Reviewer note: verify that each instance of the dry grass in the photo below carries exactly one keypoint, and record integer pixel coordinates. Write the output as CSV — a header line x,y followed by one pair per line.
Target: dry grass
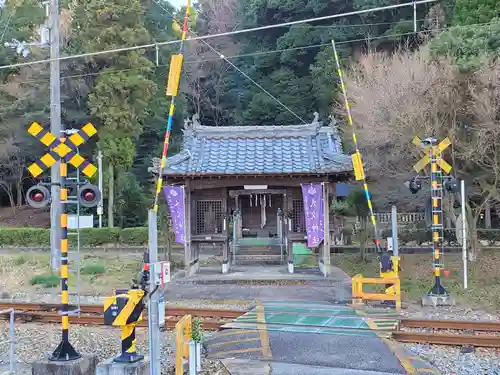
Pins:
x,y
20,273
417,278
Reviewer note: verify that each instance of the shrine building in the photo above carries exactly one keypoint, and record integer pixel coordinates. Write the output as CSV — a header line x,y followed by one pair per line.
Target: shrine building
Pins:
x,y
243,187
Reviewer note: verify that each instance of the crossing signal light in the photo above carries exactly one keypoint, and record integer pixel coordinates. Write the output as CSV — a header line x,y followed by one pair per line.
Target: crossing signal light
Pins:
x,y
451,185
38,196
89,195
414,185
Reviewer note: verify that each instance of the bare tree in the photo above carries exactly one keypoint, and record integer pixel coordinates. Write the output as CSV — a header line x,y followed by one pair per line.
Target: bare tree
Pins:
x,y
205,73
12,166
396,97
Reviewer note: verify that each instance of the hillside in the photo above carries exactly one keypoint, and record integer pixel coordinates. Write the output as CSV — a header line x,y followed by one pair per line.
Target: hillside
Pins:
x,y
24,216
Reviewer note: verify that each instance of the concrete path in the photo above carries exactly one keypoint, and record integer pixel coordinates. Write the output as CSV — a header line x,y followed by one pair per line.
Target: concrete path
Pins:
x,y
213,274
318,339
210,283
249,367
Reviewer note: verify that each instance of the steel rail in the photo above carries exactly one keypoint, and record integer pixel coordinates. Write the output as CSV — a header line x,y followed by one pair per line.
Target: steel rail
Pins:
x,y
441,339
97,320
98,309
451,324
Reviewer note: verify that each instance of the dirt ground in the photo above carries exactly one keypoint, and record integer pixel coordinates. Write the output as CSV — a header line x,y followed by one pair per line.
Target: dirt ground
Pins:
x,y
24,217
417,277
29,272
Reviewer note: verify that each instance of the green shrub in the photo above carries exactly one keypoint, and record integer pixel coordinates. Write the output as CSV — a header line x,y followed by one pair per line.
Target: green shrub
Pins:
x,y
24,237
47,281
93,269
134,236
20,260
97,237
92,237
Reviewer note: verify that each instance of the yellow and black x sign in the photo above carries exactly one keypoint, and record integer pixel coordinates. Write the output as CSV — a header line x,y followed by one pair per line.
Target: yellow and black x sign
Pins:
x,y
64,148
422,163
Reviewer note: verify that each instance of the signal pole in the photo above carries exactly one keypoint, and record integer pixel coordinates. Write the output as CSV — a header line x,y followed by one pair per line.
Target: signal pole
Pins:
x,y
439,182
55,128
437,226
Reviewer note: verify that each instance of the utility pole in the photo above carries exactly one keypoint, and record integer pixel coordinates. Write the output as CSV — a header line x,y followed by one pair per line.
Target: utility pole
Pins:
x,y
99,205
153,305
49,36
55,128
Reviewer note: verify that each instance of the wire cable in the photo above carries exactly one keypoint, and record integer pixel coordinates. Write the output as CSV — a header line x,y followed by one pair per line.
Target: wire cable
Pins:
x,y
349,25
7,23
355,141
229,33
253,54
221,56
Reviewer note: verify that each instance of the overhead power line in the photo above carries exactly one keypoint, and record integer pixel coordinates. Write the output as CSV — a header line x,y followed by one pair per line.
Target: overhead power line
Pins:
x,y
229,33
254,54
346,25
246,55
221,56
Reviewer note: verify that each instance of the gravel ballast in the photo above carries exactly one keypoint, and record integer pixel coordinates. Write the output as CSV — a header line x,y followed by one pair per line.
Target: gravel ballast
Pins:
x,y
450,360
37,341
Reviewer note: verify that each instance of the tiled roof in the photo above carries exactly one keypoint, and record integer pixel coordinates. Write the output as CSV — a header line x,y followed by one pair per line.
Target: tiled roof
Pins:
x,y
255,150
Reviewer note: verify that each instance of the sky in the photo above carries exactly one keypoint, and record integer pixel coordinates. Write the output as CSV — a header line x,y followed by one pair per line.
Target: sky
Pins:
x,y
175,3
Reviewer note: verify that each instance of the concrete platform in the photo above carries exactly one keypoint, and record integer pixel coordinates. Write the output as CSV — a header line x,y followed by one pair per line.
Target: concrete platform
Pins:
x,y
83,366
213,275
109,367
428,300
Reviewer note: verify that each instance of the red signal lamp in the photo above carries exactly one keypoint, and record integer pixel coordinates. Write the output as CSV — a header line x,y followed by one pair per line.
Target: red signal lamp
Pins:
x,y
89,195
38,196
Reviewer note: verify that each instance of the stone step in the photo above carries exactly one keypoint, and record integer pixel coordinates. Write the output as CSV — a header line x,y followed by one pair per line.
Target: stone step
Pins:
x,y
259,248
260,259
257,251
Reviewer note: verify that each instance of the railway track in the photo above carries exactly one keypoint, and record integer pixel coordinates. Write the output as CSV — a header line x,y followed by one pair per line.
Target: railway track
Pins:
x,y
451,324
480,334
211,319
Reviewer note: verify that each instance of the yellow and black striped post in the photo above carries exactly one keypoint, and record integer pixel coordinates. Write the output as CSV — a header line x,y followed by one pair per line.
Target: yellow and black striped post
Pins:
x,y
125,311
64,351
437,219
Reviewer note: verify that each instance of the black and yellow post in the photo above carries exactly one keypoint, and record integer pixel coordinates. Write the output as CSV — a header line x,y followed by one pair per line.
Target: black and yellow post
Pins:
x,y
64,351
437,219
125,311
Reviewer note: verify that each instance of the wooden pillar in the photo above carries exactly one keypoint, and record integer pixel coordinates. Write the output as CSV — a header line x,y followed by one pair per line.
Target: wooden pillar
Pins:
x,y
225,231
487,215
288,207
326,224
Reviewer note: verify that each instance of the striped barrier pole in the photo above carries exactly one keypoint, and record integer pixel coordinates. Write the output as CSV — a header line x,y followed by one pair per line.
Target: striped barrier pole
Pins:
x,y
356,158
171,90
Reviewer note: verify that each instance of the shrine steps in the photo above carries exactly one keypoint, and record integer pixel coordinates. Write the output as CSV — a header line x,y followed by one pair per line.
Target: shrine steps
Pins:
x,y
258,255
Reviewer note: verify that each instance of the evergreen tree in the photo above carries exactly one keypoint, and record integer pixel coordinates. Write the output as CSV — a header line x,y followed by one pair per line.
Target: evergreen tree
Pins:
x,y
123,88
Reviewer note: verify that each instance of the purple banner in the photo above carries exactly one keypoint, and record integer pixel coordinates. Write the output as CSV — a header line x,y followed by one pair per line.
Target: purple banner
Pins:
x,y
313,212
175,201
